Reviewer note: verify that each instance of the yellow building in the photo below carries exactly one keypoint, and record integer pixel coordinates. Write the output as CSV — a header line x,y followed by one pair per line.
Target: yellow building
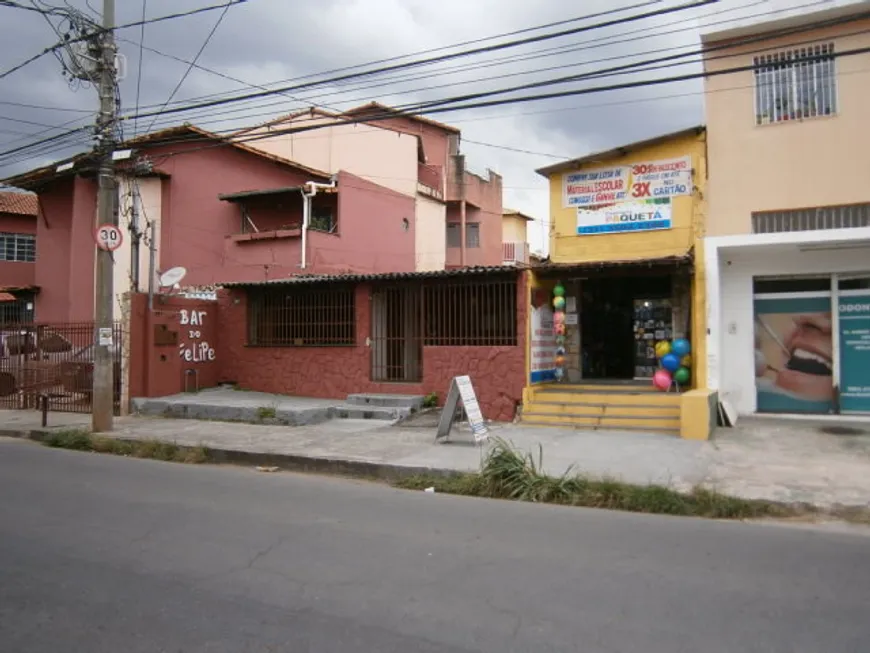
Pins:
x,y
624,236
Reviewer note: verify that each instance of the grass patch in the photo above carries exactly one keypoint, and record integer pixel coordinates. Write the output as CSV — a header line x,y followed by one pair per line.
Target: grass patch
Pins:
x,y
508,474
266,412
78,440
430,400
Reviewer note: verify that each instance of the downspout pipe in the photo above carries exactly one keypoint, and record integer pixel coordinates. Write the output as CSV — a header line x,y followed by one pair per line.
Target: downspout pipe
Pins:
x,y
309,190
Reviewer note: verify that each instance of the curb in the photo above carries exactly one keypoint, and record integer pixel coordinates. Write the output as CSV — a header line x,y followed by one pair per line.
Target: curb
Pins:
x,y
284,462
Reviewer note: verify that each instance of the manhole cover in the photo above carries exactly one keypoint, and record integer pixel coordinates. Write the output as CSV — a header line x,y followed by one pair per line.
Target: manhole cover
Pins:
x,y
842,430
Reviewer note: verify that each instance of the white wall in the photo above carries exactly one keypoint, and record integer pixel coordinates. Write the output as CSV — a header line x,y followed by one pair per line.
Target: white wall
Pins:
x,y
731,342
150,192
430,235
381,156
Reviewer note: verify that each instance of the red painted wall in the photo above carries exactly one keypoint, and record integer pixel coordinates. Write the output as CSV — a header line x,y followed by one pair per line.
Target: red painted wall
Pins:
x,y
164,369
498,373
490,251
53,252
17,273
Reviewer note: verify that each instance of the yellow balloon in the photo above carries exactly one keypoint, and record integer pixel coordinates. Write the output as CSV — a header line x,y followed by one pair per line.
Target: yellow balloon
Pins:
x,y
663,348
687,361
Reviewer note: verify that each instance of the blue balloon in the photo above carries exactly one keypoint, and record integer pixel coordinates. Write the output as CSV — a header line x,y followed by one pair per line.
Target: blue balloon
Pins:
x,y
671,362
681,347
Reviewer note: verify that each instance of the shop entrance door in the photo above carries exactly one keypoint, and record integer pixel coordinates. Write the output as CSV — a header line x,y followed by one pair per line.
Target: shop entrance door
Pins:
x,y
853,299
793,345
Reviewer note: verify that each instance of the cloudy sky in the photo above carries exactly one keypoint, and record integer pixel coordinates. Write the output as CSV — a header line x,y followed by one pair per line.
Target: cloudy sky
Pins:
x,y
274,42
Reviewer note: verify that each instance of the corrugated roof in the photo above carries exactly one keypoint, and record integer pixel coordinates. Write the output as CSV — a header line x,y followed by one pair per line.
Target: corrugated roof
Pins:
x,y
679,259
19,203
382,276
622,150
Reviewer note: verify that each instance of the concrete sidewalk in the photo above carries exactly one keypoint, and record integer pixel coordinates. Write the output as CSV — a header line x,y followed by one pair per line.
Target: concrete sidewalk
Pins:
x,y
792,461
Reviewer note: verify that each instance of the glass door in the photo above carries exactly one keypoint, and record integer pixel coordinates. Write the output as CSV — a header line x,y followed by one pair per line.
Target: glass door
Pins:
x,y
793,345
853,311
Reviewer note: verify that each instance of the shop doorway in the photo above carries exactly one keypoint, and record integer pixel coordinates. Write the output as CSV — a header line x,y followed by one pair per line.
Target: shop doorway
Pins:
x,y
620,320
812,344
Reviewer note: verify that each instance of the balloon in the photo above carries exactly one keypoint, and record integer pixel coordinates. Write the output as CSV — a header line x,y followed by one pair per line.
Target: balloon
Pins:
x,y
559,373
560,351
558,302
559,290
686,361
682,376
558,317
671,362
662,379
681,347
560,361
560,340
663,348
560,329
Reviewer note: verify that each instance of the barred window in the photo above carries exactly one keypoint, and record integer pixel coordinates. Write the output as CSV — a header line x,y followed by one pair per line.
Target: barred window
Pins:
x,y
850,216
454,235
479,313
18,247
310,316
472,234
795,84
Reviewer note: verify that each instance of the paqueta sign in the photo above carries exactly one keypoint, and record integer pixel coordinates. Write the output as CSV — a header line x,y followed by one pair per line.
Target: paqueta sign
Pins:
x,y
640,181
624,217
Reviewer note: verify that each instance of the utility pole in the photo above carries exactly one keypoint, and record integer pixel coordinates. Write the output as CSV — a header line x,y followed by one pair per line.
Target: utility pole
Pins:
x,y
103,407
135,234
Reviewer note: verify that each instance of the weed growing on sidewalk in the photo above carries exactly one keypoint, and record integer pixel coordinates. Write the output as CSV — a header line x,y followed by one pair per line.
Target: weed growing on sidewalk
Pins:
x,y
80,440
508,474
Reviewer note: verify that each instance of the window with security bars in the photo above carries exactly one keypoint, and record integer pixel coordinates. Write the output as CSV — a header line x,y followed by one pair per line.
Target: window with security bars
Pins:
x,y
472,234
310,316
20,248
472,313
454,235
814,219
795,84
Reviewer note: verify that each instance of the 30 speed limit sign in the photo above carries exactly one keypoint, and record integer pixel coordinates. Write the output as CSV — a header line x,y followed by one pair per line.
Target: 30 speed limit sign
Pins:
x,y
108,237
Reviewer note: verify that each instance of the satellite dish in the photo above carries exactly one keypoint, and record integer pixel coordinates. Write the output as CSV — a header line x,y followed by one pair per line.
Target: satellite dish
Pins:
x,y
171,277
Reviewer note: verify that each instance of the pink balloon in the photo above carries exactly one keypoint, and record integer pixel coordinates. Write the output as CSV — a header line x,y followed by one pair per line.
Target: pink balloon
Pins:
x,y
662,379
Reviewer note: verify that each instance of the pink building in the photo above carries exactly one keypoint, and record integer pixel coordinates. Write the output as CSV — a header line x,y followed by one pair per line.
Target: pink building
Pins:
x,y
18,213
224,211
457,217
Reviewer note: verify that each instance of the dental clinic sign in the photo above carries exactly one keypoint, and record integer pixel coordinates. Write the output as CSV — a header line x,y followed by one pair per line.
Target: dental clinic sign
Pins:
x,y
624,217
646,180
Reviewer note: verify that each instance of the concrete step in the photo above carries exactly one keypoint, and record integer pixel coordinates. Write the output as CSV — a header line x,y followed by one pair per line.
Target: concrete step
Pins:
x,y
625,398
639,426
265,414
613,420
604,409
412,402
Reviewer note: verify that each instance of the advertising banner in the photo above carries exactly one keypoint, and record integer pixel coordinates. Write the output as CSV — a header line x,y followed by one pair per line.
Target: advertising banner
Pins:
x,y
629,216
793,354
543,346
662,179
854,313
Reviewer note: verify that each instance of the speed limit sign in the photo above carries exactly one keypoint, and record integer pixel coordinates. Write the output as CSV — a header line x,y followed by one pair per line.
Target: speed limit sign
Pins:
x,y
108,237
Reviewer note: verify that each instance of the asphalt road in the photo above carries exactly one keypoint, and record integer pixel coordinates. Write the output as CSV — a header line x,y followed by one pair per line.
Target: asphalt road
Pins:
x,y
103,554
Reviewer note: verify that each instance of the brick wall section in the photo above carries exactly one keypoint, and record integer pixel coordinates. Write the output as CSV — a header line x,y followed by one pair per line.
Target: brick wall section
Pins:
x,y
498,373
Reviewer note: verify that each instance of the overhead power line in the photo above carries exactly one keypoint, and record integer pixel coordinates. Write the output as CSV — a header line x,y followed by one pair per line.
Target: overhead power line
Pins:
x,y
98,30
420,62
195,59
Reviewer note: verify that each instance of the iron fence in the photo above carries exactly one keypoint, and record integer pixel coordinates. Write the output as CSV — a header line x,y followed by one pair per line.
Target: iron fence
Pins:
x,y
55,361
397,352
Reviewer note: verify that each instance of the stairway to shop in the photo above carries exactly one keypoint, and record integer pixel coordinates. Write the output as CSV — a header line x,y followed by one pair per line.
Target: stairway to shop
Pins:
x,y
623,407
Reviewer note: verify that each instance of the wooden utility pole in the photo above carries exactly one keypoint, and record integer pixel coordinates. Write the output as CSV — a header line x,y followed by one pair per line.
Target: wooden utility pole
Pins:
x,y
103,407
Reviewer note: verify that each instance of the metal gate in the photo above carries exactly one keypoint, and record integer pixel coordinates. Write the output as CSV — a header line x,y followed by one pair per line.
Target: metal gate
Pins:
x,y
55,361
397,345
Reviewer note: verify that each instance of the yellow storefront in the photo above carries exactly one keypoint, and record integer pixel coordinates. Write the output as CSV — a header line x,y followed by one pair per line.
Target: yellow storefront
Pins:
x,y
624,258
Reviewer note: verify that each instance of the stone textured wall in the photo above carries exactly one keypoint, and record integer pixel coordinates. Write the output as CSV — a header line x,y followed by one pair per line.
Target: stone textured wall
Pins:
x,y
498,373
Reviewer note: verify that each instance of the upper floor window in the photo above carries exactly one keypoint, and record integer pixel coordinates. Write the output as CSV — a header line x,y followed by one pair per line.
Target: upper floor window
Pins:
x,y
323,219
454,236
850,216
18,247
472,234
795,84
